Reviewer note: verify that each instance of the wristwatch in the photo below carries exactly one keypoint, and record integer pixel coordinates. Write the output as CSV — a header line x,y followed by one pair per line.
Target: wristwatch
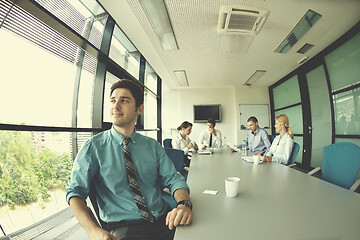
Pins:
x,y
186,203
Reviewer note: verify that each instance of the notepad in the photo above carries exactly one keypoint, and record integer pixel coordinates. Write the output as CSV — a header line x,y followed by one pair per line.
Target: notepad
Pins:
x,y
207,151
211,192
234,147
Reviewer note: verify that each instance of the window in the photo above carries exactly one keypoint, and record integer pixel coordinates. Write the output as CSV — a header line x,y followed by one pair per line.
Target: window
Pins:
x,y
150,78
344,73
347,112
343,64
150,110
124,53
47,90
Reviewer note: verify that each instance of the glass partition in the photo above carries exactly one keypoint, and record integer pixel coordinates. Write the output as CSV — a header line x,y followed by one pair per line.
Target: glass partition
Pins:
x,y
295,118
343,64
299,140
320,114
287,93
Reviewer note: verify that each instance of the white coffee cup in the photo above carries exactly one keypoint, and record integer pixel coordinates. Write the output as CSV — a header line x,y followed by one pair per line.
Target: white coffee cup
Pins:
x,y
232,186
256,158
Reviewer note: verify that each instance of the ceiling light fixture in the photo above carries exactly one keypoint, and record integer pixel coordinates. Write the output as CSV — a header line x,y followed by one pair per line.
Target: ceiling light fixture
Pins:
x,y
303,26
159,18
181,78
257,74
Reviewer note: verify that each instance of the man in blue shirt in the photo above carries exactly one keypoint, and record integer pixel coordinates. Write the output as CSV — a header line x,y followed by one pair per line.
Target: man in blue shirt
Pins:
x,y
102,162
257,139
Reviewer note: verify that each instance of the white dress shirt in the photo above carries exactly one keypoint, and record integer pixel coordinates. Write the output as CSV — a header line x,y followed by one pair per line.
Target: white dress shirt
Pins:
x,y
204,138
281,148
180,143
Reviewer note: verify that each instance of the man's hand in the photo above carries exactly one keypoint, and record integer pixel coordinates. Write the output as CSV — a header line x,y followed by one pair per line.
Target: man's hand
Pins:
x,y
203,147
180,215
232,150
190,145
212,131
267,159
101,234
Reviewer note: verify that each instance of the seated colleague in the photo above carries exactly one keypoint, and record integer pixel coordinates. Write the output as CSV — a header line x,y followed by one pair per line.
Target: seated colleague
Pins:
x,y
257,139
283,143
182,140
209,135
129,172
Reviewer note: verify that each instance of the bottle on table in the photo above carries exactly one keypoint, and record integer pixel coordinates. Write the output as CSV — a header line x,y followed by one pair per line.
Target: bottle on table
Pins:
x,y
243,149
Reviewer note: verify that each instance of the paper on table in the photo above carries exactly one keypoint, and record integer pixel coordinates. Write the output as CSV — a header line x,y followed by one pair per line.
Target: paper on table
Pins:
x,y
212,192
233,147
251,159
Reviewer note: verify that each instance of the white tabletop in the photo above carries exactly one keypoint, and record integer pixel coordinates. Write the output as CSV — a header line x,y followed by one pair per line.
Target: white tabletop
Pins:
x,y
274,202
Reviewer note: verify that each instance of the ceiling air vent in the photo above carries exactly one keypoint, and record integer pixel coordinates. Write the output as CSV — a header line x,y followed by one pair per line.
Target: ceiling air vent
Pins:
x,y
304,49
241,20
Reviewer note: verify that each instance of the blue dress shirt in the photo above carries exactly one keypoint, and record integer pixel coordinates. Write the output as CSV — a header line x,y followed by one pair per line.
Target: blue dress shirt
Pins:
x,y
101,161
281,148
258,141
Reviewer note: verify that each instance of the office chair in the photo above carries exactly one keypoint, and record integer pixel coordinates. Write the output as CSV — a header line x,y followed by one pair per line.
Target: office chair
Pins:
x,y
271,138
167,143
92,197
340,165
294,153
177,157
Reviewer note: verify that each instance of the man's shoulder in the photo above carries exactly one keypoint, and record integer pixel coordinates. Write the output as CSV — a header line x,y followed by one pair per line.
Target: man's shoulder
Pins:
x,y
262,131
100,137
145,139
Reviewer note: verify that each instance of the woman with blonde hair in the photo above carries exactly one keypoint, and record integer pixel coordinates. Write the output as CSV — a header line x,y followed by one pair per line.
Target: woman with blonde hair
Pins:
x,y
282,145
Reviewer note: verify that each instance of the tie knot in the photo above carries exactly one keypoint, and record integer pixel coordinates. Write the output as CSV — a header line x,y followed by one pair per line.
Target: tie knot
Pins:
x,y
126,141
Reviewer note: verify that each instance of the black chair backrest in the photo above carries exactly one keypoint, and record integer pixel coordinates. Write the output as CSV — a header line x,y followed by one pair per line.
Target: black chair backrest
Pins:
x,y
92,197
167,143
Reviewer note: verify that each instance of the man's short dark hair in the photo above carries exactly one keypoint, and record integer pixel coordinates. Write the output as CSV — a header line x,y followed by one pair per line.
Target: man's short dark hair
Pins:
x,y
212,121
136,89
252,119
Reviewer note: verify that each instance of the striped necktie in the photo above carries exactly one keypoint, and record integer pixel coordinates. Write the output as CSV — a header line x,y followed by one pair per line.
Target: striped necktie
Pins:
x,y
139,199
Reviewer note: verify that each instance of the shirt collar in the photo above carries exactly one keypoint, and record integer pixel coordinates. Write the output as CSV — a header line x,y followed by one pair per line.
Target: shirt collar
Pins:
x,y
118,138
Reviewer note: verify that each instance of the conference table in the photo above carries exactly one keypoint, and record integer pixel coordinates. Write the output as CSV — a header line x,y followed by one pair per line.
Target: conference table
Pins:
x,y
274,202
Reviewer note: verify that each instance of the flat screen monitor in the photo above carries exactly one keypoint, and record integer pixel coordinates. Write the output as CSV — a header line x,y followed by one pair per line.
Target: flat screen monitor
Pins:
x,y
203,112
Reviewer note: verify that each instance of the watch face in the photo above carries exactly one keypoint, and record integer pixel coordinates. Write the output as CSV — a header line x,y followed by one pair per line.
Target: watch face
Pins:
x,y
186,203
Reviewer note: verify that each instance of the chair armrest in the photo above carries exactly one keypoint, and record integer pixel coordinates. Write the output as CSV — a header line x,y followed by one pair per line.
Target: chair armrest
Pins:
x,y
94,218
355,185
167,191
292,165
313,171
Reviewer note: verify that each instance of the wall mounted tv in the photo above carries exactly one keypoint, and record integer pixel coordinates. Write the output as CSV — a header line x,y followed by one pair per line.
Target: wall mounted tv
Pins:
x,y
203,112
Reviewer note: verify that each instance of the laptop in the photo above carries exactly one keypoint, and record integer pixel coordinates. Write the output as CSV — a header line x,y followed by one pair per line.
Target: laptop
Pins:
x,y
207,151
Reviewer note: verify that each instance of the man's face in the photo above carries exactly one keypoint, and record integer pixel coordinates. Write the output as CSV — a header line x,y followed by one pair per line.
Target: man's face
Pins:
x,y
210,126
123,111
253,126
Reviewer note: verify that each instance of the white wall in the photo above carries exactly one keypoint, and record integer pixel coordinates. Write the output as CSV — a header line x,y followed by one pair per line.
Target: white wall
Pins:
x,y
177,106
